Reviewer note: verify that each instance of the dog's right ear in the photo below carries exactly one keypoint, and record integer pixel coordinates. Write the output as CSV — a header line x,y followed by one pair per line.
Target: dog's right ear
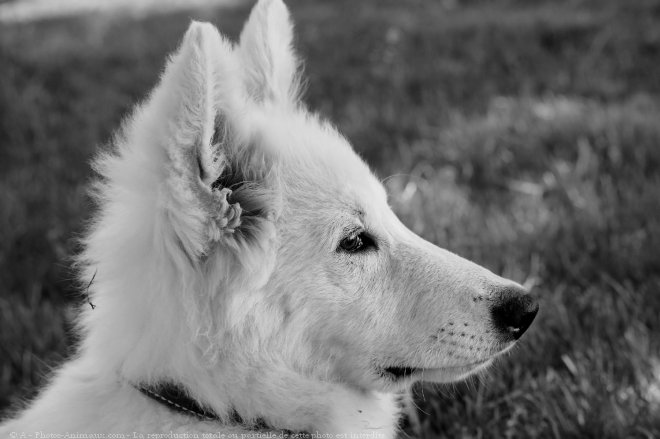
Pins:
x,y
216,183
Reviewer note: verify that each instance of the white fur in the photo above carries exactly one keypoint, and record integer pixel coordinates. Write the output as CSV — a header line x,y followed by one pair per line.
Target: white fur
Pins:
x,y
243,297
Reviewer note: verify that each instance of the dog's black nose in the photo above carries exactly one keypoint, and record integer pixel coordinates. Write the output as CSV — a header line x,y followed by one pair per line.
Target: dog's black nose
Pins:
x,y
513,311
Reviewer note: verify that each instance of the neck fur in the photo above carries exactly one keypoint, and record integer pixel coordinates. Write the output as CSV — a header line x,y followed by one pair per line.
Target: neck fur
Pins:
x,y
157,343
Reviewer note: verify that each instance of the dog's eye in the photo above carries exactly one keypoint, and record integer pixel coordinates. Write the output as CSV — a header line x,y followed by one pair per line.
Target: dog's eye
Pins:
x,y
356,242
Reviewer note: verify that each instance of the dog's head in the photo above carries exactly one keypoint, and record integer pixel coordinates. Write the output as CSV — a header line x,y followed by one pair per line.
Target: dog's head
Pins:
x,y
286,237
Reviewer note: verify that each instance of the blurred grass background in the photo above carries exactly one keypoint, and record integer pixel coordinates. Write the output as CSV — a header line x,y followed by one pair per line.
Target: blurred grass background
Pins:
x,y
524,135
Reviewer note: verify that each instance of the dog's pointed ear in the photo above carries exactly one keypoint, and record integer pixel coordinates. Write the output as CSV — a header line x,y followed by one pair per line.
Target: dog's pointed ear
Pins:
x,y
270,63
216,185
188,89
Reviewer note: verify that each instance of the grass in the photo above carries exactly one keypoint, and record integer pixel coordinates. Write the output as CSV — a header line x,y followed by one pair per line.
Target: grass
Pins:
x,y
524,135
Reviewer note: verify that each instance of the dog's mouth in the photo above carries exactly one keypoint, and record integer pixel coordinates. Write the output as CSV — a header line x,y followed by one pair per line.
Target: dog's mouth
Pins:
x,y
400,373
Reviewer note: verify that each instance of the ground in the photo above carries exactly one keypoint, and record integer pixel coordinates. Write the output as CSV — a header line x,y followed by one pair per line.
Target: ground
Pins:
x,y
522,134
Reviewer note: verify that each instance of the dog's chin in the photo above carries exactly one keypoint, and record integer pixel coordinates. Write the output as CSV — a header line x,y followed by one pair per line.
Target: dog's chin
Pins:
x,y
402,376
454,373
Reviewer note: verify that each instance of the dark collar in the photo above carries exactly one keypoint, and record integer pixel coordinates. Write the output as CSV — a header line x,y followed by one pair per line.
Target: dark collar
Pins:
x,y
176,398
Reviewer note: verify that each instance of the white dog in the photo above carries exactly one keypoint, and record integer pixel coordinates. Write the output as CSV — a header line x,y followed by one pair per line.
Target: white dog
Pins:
x,y
249,274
